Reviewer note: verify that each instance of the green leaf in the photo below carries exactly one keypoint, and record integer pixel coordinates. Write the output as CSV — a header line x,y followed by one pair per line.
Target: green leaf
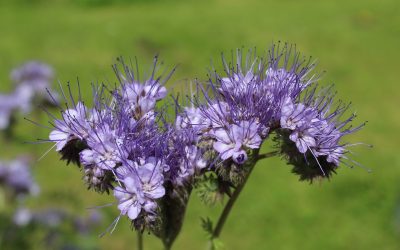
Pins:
x,y
207,225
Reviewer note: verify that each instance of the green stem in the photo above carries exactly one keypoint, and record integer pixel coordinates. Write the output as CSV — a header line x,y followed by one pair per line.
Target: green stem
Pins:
x,y
230,203
267,155
139,240
236,193
167,247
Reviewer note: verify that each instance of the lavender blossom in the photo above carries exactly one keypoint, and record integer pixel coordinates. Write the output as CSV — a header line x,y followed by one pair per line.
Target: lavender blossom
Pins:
x,y
33,80
32,85
184,157
74,125
125,144
103,150
142,98
142,186
316,131
233,142
191,117
8,105
17,178
128,144
276,95
35,72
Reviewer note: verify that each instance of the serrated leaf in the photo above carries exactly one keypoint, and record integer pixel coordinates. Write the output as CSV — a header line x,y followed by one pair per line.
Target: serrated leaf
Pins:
x,y
207,225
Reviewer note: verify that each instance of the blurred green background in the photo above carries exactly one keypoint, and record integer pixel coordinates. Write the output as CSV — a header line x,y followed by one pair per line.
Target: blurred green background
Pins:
x,y
355,41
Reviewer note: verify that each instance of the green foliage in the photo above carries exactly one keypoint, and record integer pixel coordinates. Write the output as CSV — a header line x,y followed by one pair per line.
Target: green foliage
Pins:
x,y
214,243
207,225
210,188
357,42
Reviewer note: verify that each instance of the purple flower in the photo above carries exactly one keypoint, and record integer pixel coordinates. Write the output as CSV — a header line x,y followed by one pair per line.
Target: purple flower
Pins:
x,y
33,71
74,125
255,96
8,105
294,115
104,148
191,117
304,138
17,177
33,79
128,202
121,142
183,156
141,186
316,131
131,144
237,82
141,98
233,142
24,94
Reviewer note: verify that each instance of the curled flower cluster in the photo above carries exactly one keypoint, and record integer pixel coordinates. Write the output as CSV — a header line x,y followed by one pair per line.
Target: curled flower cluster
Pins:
x,y
124,144
127,143
278,95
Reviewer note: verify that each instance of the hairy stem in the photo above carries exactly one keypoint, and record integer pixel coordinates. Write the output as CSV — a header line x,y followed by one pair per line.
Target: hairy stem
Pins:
x,y
229,205
139,240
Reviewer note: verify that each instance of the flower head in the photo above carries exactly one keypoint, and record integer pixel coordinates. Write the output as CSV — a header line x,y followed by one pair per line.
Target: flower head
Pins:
x,y
277,95
125,144
232,142
141,186
313,132
33,80
16,176
8,105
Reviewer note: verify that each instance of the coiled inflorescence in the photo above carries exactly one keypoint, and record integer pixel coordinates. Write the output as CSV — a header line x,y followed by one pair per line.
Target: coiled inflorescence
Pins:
x,y
128,145
257,97
124,144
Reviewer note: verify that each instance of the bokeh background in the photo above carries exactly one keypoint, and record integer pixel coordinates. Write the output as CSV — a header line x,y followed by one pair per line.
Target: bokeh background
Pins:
x,y
356,42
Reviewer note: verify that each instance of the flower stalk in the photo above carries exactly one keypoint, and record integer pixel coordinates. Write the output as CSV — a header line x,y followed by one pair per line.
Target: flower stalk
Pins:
x,y
229,205
139,240
232,200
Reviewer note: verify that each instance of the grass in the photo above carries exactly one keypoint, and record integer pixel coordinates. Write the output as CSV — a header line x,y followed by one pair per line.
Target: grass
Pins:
x,y
356,41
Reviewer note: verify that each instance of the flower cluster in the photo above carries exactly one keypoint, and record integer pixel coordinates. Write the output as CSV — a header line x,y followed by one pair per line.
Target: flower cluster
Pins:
x,y
315,130
32,82
126,145
258,97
